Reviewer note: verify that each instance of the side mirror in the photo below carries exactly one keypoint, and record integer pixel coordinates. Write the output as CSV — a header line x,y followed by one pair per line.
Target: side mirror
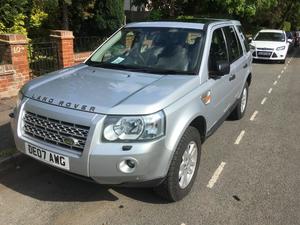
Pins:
x,y
290,41
223,68
250,39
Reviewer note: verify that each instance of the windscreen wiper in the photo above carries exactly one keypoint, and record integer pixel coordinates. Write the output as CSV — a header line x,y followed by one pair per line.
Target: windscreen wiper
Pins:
x,y
138,69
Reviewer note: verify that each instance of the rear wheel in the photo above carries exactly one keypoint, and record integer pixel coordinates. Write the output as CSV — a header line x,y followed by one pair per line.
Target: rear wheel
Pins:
x,y
183,169
240,109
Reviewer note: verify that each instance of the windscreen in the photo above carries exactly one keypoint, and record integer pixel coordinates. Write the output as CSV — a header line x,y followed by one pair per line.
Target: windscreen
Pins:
x,y
270,36
151,49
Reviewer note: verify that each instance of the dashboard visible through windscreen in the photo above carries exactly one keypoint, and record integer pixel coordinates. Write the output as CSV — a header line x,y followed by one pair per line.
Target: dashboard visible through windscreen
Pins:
x,y
151,49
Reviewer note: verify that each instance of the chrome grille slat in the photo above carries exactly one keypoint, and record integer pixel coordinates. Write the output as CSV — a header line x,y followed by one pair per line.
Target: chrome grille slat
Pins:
x,y
54,131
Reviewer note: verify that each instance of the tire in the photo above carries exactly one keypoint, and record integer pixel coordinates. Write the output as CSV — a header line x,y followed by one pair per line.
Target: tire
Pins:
x,y
239,111
172,187
282,61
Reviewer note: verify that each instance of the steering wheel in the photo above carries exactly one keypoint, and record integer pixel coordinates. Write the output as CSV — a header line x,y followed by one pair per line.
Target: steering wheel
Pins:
x,y
137,57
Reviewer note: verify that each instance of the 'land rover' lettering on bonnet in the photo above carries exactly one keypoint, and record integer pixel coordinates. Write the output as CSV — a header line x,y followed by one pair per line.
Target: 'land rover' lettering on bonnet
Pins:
x,y
63,103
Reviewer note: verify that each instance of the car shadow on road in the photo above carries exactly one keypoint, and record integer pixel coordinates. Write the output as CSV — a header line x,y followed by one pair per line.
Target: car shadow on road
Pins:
x,y
7,144
36,180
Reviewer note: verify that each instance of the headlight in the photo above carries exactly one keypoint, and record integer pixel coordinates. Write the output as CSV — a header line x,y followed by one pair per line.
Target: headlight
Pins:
x,y
252,47
134,128
280,48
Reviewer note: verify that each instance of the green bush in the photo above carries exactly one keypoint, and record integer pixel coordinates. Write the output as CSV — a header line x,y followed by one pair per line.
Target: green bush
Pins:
x,y
286,26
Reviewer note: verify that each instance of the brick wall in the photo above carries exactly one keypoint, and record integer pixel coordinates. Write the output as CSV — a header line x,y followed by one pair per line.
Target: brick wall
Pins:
x,y
80,57
64,40
14,55
15,71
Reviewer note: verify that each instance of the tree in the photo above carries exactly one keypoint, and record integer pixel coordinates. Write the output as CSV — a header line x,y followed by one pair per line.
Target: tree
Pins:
x,y
64,11
12,16
107,16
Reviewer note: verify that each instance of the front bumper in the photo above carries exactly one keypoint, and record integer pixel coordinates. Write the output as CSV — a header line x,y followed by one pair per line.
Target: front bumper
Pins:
x,y
99,161
269,55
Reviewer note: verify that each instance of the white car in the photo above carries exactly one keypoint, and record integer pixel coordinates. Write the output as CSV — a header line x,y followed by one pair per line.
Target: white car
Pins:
x,y
270,45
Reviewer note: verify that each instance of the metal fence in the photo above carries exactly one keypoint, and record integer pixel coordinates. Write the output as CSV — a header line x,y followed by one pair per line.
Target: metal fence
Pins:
x,y
43,57
87,44
3,48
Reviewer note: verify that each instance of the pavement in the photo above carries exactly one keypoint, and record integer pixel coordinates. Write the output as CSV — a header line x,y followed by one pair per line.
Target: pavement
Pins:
x,y
7,146
249,173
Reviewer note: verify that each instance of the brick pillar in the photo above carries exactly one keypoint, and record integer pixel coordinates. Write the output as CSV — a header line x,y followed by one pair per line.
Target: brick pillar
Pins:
x,y
64,41
15,54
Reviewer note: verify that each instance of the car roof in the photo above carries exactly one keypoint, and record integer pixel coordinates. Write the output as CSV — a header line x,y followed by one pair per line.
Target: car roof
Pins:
x,y
194,23
272,30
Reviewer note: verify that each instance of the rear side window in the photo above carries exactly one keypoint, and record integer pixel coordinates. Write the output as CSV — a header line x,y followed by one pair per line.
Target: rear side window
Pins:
x,y
243,35
234,45
218,51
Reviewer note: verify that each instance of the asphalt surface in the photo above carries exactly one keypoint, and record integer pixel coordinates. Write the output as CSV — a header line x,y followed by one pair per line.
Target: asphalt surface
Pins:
x,y
258,181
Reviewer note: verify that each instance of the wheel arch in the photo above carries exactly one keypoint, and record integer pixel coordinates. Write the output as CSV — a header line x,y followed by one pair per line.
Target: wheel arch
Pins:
x,y
200,124
249,79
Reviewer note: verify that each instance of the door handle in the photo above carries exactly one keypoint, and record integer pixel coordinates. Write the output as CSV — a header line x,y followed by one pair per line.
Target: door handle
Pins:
x,y
232,77
245,66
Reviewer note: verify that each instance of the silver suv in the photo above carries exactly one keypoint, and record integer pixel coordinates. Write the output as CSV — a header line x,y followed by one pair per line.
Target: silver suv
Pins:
x,y
139,108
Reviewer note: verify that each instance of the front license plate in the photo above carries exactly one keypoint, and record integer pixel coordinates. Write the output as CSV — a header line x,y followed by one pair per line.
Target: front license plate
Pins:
x,y
47,156
266,54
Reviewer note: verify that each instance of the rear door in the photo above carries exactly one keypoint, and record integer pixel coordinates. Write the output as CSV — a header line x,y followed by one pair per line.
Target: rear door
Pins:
x,y
238,63
247,63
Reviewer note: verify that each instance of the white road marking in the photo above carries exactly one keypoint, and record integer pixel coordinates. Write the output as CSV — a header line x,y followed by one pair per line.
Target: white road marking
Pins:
x,y
282,71
264,100
216,175
270,90
279,76
285,67
275,82
253,115
182,224
239,138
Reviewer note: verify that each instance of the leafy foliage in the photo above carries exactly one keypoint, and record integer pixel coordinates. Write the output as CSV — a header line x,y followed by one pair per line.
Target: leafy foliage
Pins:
x,y
102,17
12,16
36,17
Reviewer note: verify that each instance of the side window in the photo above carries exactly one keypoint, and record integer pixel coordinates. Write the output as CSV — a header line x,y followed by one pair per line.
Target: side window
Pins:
x,y
218,51
234,46
242,33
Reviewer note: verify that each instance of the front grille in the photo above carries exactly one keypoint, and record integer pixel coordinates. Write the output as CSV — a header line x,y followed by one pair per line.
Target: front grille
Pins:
x,y
266,49
55,131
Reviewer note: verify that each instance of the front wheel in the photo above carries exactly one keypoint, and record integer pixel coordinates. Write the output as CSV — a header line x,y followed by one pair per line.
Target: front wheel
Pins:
x,y
239,111
183,169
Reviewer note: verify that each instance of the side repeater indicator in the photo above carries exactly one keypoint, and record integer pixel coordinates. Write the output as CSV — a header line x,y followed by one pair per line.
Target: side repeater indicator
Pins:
x,y
206,97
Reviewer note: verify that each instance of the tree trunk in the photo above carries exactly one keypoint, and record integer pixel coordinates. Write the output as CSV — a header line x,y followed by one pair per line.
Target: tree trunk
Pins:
x,y
64,14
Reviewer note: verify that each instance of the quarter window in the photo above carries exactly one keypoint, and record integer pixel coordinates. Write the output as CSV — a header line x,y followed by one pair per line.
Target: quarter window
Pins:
x,y
242,33
234,46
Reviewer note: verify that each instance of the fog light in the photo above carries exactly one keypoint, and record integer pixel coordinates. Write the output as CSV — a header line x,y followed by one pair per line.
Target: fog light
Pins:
x,y
128,165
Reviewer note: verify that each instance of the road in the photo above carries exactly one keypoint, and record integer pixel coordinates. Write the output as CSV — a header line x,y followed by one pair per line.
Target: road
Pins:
x,y
258,179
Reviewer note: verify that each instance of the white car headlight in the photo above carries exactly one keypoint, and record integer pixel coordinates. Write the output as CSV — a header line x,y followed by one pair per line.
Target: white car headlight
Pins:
x,y
280,48
134,128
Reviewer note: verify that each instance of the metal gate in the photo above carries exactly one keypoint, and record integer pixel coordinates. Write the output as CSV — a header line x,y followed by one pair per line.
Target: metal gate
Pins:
x,y
43,57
